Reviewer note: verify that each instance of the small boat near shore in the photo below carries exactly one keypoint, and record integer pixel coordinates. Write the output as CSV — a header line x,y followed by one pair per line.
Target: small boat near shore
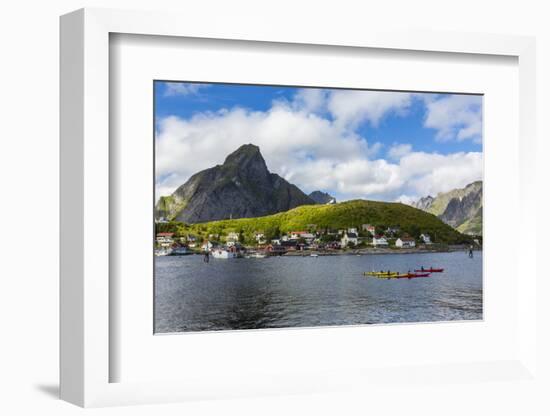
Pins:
x,y
219,253
163,252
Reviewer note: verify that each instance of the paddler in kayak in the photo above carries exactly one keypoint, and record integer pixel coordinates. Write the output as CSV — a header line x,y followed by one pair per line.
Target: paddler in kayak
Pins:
x,y
471,252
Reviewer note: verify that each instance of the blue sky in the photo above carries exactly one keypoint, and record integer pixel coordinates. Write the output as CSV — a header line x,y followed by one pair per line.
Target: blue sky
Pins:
x,y
377,144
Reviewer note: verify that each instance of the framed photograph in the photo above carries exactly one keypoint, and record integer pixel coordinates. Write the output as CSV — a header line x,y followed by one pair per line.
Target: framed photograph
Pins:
x,y
346,233
273,213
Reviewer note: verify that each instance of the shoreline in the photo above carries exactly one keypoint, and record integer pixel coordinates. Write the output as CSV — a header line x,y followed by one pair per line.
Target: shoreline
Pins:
x,y
367,251
371,250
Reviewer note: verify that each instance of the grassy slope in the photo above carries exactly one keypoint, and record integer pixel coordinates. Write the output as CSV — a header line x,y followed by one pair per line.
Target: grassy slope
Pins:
x,y
346,214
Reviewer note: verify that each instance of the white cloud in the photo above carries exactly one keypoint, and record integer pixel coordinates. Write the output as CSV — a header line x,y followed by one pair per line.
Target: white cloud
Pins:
x,y
311,99
397,151
455,117
431,173
349,108
182,88
302,143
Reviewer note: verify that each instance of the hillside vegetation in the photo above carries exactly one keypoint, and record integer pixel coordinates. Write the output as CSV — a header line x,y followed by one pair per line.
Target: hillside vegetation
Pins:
x,y
333,217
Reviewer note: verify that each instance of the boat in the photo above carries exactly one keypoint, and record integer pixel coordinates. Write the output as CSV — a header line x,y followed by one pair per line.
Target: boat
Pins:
x,y
373,273
219,253
257,255
403,276
163,252
430,270
396,275
313,255
419,274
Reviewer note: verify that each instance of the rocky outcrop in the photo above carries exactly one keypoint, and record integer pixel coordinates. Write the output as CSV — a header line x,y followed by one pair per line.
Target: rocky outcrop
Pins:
x,y
460,208
322,197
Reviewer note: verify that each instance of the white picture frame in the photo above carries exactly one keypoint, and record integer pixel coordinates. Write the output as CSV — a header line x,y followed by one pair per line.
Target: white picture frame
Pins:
x,y
86,356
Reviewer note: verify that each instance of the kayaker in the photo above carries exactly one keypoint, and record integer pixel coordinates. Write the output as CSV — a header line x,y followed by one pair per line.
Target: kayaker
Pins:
x,y
422,268
471,252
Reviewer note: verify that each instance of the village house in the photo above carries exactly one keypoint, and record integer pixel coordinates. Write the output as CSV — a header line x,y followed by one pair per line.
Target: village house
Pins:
x,y
379,240
276,249
348,238
165,239
296,235
290,245
231,239
371,229
333,245
276,241
352,230
191,240
425,238
260,238
405,242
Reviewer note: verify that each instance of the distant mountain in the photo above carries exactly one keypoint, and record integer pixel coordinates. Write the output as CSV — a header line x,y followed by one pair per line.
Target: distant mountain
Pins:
x,y
322,197
240,188
460,208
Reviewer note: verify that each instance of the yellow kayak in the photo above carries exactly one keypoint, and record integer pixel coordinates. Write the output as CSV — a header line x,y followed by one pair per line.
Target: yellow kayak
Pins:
x,y
382,274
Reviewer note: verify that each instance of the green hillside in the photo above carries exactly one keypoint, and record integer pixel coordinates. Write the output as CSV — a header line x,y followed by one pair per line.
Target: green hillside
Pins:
x,y
342,215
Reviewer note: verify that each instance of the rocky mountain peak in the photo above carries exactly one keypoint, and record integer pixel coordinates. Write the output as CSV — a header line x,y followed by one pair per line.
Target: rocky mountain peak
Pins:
x,y
240,188
246,154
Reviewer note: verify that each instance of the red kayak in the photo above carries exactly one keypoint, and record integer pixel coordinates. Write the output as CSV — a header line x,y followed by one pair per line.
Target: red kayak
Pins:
x,y
429,271
405,276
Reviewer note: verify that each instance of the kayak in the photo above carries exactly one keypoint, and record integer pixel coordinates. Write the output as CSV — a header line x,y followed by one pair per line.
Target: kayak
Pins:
x,y
382,273
404,276
429,270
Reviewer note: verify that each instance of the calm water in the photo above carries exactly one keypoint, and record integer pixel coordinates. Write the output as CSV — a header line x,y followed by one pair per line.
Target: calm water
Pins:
x,y
278,292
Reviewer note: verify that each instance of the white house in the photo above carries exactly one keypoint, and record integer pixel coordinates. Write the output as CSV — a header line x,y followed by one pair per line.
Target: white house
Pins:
x,y
260,238
405,242
296,235
165,239
349,238
379,240
425,239
231,239
352,230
